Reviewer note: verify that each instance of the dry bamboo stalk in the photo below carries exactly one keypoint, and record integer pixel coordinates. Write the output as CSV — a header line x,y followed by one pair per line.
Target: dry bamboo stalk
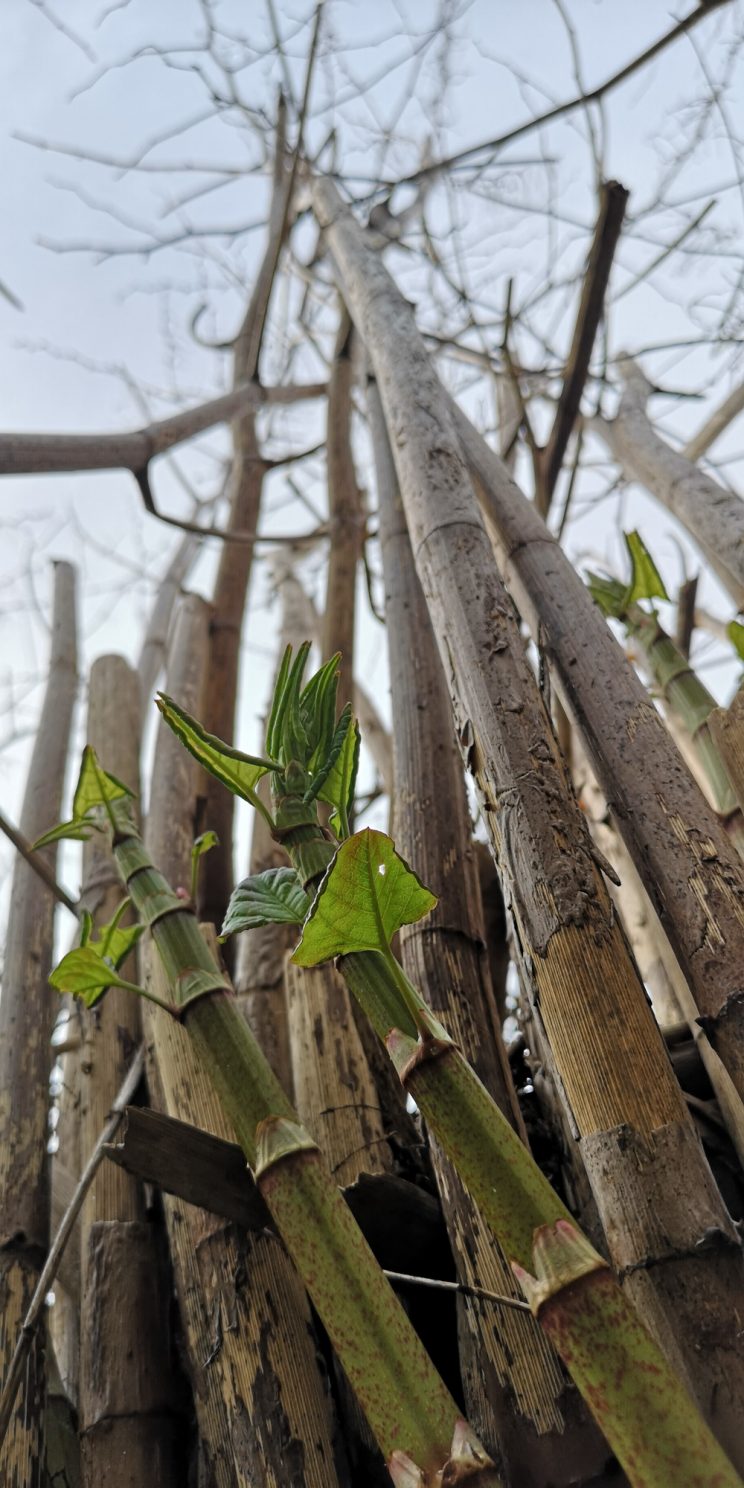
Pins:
x,y
671,997
345,511
259,958
63,1322
715,424
154,648
335,1093
517,1395
126,1393
26,1020
688,866
233,574
712,515
636,1137
261,1405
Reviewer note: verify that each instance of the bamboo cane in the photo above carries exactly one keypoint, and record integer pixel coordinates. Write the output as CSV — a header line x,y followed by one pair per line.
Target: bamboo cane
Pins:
x,y
574,957
248,1340
127,1419
525,1409
26,1019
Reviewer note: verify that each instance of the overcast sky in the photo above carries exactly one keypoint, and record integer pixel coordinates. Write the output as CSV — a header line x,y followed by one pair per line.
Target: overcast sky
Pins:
x,y
99,307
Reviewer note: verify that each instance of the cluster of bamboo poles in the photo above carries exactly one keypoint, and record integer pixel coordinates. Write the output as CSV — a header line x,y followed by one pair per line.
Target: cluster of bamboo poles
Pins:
x,y
258,1394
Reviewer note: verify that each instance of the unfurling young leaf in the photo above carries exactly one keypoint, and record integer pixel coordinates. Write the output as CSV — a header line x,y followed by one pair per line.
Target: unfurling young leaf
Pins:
x,y
199,847
615,599
239,772
336,776
645,580
366,895
275,897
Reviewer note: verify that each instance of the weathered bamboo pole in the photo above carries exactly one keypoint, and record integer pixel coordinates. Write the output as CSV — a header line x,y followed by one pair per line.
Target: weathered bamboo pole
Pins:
x,y
154,649
715,425
345,511
126,1392
26,1019
518,1398
713,516
636,1137
262,1407
259,959
680,850
233,574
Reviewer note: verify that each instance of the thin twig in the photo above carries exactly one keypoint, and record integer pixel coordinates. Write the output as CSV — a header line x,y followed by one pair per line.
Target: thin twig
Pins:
x,y
36,862
705,8
461,1287
36,1305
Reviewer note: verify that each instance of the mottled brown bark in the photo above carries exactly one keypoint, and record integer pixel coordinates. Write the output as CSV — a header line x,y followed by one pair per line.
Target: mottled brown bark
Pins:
x,y
126,1394
606,1048
683,856
233,574
27,1009
261,1404
128,1427
516,1392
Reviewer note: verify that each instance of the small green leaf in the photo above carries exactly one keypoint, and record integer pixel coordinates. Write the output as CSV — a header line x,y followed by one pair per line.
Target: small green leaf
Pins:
x,y
201,845
275,897
735,633
273,734
239,772
78,831
366,895
645,581
609,594
83,974
95,787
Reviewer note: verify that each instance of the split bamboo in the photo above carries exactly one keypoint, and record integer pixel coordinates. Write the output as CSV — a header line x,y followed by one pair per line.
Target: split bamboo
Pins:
x,y
521,1403
681,852
26,1019
637,1140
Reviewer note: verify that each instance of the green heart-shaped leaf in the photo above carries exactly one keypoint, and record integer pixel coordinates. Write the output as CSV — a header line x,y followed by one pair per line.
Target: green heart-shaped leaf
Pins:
x,y
84,974
366,895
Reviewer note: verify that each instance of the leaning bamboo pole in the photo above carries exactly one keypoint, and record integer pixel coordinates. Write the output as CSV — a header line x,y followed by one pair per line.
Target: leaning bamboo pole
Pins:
x,y
680,850
261,1403
518,1398
236,558
26,1020
126,1392
345,511
713,516
637,1140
